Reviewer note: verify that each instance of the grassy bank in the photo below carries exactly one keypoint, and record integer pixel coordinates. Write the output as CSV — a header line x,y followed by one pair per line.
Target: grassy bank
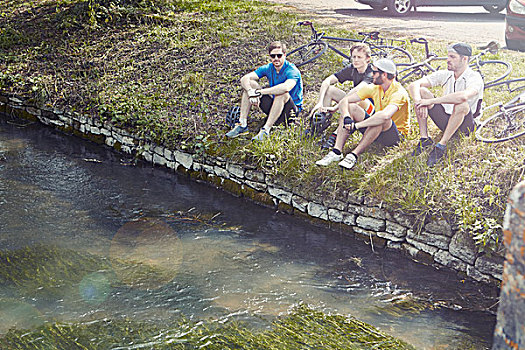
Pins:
x,y
169,70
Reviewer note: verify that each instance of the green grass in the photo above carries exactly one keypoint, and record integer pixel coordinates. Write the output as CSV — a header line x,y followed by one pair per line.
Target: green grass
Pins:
x,y
169,70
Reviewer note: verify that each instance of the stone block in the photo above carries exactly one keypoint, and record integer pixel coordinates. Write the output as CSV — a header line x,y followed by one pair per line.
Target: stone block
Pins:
x,y
395,229
299,203
492,266
369,223
34,111
280,194
335,204
220,171
256,185
404,220
235,170
462,246
391,237
317,210
440,227
147,156
168,154
349,219
184,159
444,258
435,240
159,160
473,273
158,149
255,175
335,215
422,246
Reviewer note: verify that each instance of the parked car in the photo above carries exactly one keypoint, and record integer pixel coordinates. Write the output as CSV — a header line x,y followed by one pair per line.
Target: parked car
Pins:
x,y
402,7
515,25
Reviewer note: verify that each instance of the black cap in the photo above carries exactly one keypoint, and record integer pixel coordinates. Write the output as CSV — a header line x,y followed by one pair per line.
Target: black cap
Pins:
x,y
462,49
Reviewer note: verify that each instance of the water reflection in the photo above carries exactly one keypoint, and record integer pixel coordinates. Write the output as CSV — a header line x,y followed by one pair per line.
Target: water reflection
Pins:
x,y
142,244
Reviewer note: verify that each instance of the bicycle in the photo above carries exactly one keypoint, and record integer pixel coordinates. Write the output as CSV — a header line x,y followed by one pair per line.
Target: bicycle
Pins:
x,y
318,45
509,121
491,71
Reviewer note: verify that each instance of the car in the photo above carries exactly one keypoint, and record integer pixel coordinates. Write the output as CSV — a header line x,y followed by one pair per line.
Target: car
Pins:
x,y
402,7
515,25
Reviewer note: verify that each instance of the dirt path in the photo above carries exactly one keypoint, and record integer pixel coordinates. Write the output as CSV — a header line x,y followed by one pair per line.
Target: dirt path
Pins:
x,y
471,24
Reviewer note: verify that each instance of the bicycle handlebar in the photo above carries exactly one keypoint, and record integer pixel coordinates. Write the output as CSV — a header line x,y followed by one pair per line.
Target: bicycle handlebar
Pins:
x,y
372,35
419,40
304,23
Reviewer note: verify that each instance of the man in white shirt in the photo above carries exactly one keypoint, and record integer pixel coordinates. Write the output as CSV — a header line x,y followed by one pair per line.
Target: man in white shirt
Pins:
x,y
456,109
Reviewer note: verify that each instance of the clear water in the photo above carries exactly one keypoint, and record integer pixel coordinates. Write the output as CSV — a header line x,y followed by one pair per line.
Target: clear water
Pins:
x,y
247,263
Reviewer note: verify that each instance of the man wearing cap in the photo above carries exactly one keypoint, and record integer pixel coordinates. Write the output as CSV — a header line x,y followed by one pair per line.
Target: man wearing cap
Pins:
x,y
284,94
454,111
391,103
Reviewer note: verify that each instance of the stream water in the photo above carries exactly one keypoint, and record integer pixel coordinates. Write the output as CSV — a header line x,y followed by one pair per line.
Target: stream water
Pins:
x,y
215,256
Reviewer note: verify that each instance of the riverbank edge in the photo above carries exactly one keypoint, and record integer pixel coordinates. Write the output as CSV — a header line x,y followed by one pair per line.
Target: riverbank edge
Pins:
x,y
434,241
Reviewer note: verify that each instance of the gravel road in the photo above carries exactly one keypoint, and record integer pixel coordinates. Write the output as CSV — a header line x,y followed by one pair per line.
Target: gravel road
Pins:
x,y
470,24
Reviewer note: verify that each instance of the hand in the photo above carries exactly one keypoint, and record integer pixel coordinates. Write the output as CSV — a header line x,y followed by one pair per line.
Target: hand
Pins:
x,y
254,101
254,93
424,102
421,112
349,124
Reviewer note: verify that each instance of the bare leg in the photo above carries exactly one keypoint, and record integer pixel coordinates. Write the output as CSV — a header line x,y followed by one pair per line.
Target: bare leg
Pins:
x,y
333,94
356,113
245,103
371,133
422,118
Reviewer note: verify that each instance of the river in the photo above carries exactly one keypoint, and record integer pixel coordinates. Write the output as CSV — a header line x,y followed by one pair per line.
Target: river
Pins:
x,y
214,256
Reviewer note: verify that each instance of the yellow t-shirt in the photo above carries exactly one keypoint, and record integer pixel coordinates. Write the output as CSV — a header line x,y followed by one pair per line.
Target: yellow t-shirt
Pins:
x,y
395,95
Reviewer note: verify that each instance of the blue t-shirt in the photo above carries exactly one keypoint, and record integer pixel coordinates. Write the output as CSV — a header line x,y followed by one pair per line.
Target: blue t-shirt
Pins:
x,y
288,71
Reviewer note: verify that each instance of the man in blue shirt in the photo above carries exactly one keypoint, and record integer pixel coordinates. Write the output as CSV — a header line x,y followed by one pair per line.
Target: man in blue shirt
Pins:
x,y
284,94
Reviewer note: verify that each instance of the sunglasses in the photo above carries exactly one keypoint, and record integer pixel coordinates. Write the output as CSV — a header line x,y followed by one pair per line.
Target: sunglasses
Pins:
x,y
276,55
374,71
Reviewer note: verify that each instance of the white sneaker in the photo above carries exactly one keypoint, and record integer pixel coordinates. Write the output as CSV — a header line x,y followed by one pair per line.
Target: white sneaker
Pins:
x,y
349,162
329,158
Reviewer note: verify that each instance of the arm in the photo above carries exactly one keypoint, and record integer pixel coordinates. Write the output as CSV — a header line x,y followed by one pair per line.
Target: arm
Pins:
x,y
279,89
414,89
454,98
350,98
332,79
379,117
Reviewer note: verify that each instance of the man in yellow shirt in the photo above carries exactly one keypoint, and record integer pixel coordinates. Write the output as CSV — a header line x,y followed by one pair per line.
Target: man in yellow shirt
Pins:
x,y
391,102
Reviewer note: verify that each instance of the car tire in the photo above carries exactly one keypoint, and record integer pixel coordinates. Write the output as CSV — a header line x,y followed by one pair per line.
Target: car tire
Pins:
x,y
494,8
399,7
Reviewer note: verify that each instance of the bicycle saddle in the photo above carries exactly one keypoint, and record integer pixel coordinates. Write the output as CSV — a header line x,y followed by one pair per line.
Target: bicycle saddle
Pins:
x,y
492,47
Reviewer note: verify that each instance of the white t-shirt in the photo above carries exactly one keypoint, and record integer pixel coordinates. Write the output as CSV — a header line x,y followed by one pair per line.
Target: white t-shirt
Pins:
x,y
469,79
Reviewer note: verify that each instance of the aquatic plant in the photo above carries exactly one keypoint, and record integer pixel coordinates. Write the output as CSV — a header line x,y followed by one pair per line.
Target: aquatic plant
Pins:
x,y
304,328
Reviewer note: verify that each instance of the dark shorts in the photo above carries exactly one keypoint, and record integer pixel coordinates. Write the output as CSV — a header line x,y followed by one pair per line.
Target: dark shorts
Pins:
x,y
390,137
440,118
289,109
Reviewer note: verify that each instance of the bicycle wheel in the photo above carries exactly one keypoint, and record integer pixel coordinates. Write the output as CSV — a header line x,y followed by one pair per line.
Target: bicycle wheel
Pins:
x,y
503,126
396,54
492,71
307,53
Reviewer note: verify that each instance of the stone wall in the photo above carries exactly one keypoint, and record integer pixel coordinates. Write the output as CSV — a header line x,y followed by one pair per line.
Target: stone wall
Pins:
x,y
435,241
510,329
